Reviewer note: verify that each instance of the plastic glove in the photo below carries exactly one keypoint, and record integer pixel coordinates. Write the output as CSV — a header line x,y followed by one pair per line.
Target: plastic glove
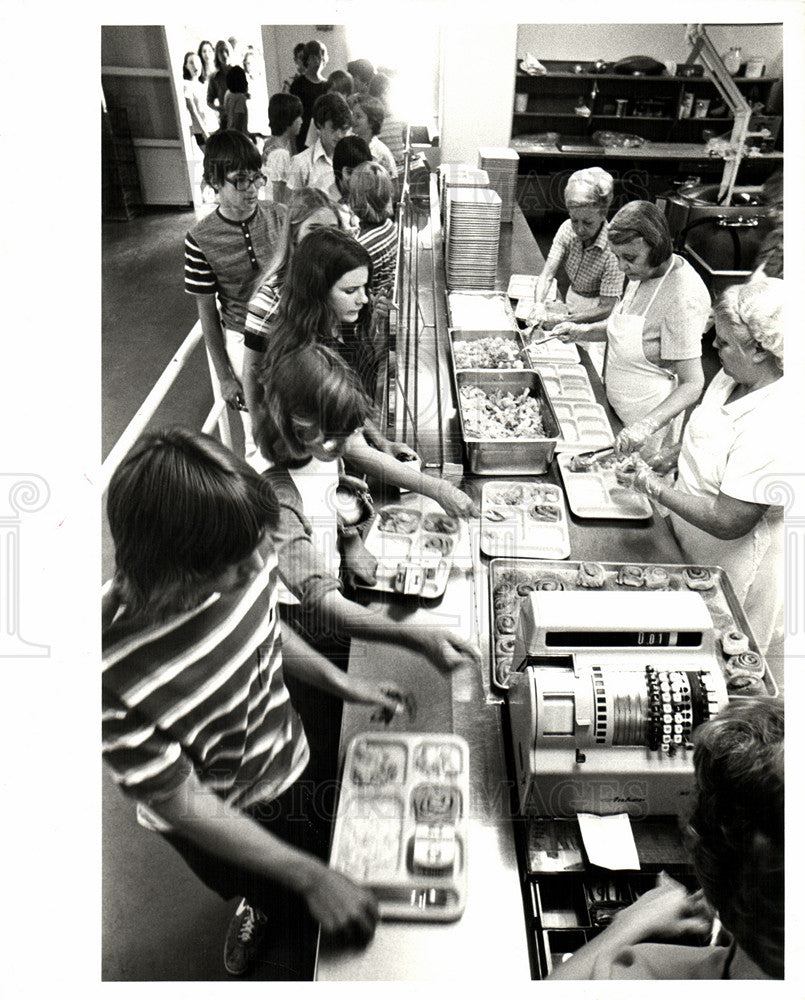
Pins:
x,y
634,436
636,474
664,460
567,332
538,314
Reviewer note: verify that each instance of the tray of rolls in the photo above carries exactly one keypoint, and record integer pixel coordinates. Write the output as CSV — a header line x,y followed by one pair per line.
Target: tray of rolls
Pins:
x,y
524,519
401,822
745,670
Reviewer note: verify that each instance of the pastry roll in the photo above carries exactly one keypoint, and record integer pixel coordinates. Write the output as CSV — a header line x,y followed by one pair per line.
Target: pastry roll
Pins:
x,y
506,624
524,589
495,514
591,575
399,521
631,576
734,642
548,583
544,512
545,494
503,669
437,543
442,524
656,578
698,578
748,662
505,645
742,682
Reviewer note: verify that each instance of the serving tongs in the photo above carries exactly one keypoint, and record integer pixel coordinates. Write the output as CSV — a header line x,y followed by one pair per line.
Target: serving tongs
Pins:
x,y
589,456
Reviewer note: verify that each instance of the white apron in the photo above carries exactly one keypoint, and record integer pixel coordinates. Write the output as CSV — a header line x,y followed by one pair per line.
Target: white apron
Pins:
x,y
594,349
635,385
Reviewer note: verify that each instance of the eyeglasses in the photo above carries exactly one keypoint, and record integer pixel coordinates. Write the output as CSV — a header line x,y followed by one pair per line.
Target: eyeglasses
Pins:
x,y
243,183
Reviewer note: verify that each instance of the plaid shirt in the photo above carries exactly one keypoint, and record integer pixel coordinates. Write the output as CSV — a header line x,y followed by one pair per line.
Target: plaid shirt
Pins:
x,y
591,271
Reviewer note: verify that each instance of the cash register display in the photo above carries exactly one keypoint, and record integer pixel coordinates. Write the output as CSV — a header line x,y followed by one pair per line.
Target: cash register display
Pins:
x,y
636,638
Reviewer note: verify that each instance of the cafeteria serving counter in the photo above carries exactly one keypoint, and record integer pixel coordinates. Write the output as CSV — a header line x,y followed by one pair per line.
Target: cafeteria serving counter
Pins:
x,y
489,942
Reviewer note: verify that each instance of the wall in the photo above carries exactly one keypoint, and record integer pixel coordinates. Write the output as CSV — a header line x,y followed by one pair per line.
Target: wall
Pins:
x,y
611,42
477,89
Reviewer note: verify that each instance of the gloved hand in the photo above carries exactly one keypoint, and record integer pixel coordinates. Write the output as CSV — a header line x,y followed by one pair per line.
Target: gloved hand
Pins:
x,y
538,314
569,333
664,460
634,436
636,473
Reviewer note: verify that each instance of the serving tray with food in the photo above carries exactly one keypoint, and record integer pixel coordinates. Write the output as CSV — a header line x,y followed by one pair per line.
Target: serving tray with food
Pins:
x,y
593,490
415,543
524,519
401,822
552,351
510,580
479,349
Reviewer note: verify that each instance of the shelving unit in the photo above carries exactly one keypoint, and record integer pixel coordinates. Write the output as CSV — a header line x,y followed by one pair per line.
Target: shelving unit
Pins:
x,y
651,109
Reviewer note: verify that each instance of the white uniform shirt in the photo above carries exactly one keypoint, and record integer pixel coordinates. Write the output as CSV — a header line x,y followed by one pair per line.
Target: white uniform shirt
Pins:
x,y
736,449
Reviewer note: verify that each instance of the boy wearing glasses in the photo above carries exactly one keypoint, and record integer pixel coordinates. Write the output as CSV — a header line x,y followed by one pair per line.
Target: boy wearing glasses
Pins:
x,y
225,254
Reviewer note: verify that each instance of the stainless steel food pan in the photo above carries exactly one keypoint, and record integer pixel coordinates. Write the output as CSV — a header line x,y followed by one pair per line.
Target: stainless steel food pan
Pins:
x,y
512,456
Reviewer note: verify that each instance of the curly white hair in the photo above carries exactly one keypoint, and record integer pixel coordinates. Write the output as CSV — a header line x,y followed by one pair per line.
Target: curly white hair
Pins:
x,y
757,307
590,186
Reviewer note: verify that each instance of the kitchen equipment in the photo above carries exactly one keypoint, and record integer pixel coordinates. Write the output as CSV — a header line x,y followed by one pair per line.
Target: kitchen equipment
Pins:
x,y
401,822
524,519
611,688
587,455
498,454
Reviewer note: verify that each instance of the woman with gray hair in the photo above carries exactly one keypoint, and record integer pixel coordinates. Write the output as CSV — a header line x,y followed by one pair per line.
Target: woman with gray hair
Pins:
x,y
581,249
653,369
732,457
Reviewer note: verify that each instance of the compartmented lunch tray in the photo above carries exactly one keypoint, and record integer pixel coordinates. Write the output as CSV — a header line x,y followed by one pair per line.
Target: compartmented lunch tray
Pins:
x,y
566,382
401,822
512,579
553,352
595,492
585,426
414,542
524,519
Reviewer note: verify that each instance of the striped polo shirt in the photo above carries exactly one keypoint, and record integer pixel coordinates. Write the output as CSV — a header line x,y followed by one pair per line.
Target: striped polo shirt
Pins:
x,y
227,258
203,691
380,242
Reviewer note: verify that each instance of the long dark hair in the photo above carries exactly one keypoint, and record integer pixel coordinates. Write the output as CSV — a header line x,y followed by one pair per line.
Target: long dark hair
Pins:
x,y
203,74
305,315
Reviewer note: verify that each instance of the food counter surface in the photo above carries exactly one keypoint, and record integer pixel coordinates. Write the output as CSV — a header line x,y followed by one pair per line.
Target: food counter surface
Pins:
x,y
489,942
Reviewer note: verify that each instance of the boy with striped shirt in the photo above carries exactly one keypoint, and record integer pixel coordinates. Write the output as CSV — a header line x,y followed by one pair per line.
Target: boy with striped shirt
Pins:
x,y
198,727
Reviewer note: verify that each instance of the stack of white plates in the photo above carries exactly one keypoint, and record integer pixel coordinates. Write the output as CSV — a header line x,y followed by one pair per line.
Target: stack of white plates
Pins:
x,y
472,237
500,163
459,175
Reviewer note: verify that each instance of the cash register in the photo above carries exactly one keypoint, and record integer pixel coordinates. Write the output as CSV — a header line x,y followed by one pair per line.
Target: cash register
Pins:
x,y
606,691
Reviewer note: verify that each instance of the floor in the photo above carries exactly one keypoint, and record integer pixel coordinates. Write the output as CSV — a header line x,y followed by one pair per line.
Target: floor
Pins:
x,y
159,922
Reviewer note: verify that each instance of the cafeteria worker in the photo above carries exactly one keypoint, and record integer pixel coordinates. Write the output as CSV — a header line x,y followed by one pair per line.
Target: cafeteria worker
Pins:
x,y
581,248
732,458
653,370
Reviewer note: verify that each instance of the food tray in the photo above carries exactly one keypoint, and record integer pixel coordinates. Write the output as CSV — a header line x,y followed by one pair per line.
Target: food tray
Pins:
x,y
509,527
513,341
401,823
566,382
415,561
723,605
585,426
597,493
480,311
508,456
553,352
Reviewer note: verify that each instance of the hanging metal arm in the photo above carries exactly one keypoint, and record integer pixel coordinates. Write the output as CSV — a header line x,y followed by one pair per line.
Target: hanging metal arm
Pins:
x,y
703,50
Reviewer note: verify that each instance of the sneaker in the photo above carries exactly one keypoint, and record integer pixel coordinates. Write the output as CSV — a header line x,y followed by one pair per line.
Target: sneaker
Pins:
x,y
243,938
